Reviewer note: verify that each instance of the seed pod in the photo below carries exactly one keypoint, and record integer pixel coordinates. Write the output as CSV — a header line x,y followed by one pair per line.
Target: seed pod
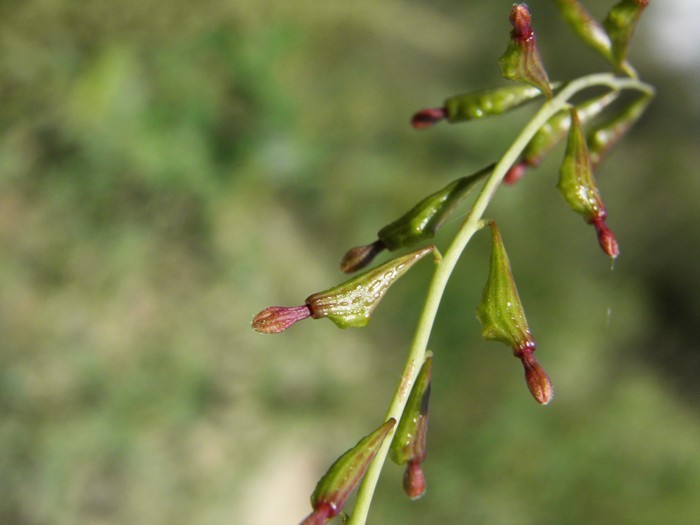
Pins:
x,y
620,25
502,318
603,137
521,61
553,131
408,445
352,302
577,185
417,225
334,488
585,26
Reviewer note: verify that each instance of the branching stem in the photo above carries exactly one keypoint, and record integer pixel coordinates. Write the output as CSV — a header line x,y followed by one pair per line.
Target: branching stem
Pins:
x,y
470,226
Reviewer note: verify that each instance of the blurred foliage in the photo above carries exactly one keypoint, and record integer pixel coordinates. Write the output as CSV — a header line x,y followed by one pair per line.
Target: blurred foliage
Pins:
x,y
167,169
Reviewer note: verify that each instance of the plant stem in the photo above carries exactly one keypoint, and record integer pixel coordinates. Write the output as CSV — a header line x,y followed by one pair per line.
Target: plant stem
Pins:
x,y
470,226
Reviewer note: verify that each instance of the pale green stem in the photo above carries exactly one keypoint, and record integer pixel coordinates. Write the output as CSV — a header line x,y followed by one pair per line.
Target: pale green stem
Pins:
x,y
471,225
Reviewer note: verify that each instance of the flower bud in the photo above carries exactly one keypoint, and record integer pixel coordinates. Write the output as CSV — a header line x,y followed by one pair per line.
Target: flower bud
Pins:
x,y
348,304
502,318
418,224
521,61
585,26
360,256
553,131
408,445
352,302
426,118
334,488
275,319
620,25
603,137
577,185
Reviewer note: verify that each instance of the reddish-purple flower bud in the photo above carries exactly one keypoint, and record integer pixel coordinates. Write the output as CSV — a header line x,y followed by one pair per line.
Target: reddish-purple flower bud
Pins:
x,y
521,61
274,319
320,515
606,239
414,480
538,381
360,256
520,20
515,173
426,118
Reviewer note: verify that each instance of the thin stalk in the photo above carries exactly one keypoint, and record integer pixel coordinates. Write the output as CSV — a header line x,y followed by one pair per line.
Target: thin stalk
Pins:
x,y
470,226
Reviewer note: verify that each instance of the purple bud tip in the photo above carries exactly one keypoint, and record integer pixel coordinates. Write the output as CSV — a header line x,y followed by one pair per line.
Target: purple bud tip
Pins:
x,y
520,18
606,239
428,117
537,379
274,319
320,515
515,173
414,480
360,256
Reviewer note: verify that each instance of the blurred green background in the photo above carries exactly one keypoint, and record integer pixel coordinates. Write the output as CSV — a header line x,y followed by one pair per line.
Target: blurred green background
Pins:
x,y
169,168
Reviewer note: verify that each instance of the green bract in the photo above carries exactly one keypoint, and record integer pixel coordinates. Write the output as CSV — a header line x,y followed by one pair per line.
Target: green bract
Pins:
x,y
352,302
500,312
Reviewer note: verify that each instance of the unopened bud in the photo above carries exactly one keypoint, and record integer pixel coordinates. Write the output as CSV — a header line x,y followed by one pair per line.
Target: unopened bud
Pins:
x,y
538,381
275,319
585,26
352,302
502,318
500,312
422,221
414,485
620,25
408,445
418,224
577,185
521,61
334,488
426,118
360,256
348,304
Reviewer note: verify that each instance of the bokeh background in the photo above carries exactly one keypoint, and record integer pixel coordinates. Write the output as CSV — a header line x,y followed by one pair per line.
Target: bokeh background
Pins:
x,y
169,168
